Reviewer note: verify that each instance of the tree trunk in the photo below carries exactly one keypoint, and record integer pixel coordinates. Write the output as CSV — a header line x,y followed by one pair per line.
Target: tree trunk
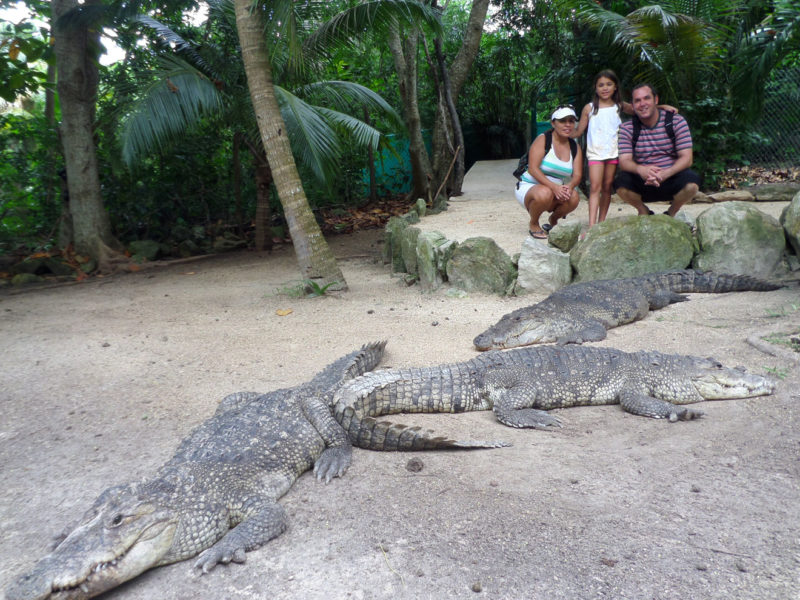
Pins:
x,y
404,53
314,256
448,125
76,51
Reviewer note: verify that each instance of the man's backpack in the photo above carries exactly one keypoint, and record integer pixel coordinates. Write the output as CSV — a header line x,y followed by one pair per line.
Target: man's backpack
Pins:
x,y
670,128
548,142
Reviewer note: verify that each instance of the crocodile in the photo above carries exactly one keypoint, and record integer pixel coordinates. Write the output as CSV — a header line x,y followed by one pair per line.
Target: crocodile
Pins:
x,y
520,385
583,312
218,495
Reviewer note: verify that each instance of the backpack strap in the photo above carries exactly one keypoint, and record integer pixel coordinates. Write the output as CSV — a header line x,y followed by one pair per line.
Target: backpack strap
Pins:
x,y
637,129
548,143
670,130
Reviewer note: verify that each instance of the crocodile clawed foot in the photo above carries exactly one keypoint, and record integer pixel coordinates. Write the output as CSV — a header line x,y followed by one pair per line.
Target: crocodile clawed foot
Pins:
x,y
333,462
529,418
218,555
685,414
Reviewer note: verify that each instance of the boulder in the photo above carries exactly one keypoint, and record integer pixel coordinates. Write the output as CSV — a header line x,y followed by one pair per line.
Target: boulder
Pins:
x,y
541,268
632,246
736,237
479,265
731,195
408,248
392,248
773,192
431,276
790,219
564,235
145,249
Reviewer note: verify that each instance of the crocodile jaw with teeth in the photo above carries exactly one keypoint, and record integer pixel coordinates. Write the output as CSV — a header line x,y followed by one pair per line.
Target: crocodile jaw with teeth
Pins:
x,y
119,537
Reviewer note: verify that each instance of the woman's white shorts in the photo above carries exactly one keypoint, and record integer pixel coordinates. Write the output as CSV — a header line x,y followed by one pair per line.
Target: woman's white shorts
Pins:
x,y
521,190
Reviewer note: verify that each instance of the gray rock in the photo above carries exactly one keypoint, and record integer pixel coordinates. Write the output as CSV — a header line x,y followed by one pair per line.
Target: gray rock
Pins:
x,y
188,248
565,235
431,276
479,265
23,278
773,192
731,195
738,238
411,217
29,266
790,219
58,267
146,249
408,248
439,205
421,207
392,248
541,268
632,246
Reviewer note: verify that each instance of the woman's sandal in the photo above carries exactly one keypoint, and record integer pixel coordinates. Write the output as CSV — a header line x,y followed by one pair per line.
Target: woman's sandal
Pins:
x,y
538,235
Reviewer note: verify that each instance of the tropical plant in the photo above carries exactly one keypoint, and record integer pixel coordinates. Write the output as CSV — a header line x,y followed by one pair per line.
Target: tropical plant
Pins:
x,y
710,58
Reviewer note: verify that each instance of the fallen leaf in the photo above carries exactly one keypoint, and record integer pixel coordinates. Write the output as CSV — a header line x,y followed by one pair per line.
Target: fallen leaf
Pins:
x,y
282,312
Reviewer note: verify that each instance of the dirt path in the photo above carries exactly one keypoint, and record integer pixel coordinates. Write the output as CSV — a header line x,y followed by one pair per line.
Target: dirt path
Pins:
x,y
102,380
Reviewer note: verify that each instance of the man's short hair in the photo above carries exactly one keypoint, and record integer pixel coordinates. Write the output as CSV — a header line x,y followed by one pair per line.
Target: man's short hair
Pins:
x,y
645,85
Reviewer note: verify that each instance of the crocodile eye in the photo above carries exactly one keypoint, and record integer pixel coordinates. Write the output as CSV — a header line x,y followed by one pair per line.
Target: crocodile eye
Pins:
x,y
117,520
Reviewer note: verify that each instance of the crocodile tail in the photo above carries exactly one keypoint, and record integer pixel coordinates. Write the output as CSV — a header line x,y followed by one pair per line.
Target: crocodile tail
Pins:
x,y
371,434
708,282
364,360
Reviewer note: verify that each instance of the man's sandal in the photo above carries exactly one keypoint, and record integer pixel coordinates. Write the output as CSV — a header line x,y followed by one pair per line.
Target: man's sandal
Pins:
x,y
538,235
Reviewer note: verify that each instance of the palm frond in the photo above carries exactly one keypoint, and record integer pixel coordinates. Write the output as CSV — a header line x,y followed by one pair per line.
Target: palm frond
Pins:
x,y
373,18
174,101
314,142
348,96
362,134
172,39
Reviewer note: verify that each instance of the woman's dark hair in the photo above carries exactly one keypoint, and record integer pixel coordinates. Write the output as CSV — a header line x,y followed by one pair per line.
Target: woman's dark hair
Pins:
x,y
616,97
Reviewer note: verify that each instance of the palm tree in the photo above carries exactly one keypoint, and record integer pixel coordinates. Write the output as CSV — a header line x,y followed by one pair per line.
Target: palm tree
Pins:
x,y
203,82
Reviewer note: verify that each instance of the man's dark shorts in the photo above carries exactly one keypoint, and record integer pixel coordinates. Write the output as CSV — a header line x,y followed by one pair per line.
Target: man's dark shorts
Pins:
x,y
650,193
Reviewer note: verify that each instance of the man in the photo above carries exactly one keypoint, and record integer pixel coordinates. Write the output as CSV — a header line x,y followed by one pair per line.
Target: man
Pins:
x,y
657,168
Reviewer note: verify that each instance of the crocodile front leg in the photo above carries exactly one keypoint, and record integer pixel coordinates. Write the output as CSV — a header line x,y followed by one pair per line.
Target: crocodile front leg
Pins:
x,y
513,395
639,403
268,521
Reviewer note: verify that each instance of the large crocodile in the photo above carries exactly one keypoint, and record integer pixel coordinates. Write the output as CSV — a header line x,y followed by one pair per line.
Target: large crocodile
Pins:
x,y
218,495
582,312
520,384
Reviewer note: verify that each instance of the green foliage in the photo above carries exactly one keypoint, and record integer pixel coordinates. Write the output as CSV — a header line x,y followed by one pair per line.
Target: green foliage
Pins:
x,y
24,54
30,189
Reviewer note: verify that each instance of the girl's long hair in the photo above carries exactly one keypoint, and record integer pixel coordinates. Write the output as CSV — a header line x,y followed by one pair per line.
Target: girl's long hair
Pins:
x,y
616,97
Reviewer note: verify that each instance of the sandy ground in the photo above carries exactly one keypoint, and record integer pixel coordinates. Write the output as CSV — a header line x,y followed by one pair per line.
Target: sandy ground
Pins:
x,y
101,380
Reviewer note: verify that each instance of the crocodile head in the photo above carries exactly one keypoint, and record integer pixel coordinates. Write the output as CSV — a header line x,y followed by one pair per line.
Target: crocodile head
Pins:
x,y
516,329
715,382
122,535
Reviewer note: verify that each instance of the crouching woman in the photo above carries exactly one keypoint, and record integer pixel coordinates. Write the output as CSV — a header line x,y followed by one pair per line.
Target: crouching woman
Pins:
x,y
555,168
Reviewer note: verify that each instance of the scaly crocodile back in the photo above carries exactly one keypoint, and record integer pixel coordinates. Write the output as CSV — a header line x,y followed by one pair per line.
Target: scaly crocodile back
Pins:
x,y
697,281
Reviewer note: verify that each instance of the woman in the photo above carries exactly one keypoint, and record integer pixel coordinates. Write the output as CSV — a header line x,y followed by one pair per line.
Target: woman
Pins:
x,y
553,173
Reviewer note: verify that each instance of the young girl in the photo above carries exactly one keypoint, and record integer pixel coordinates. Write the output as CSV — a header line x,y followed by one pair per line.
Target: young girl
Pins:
x,y
602,116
